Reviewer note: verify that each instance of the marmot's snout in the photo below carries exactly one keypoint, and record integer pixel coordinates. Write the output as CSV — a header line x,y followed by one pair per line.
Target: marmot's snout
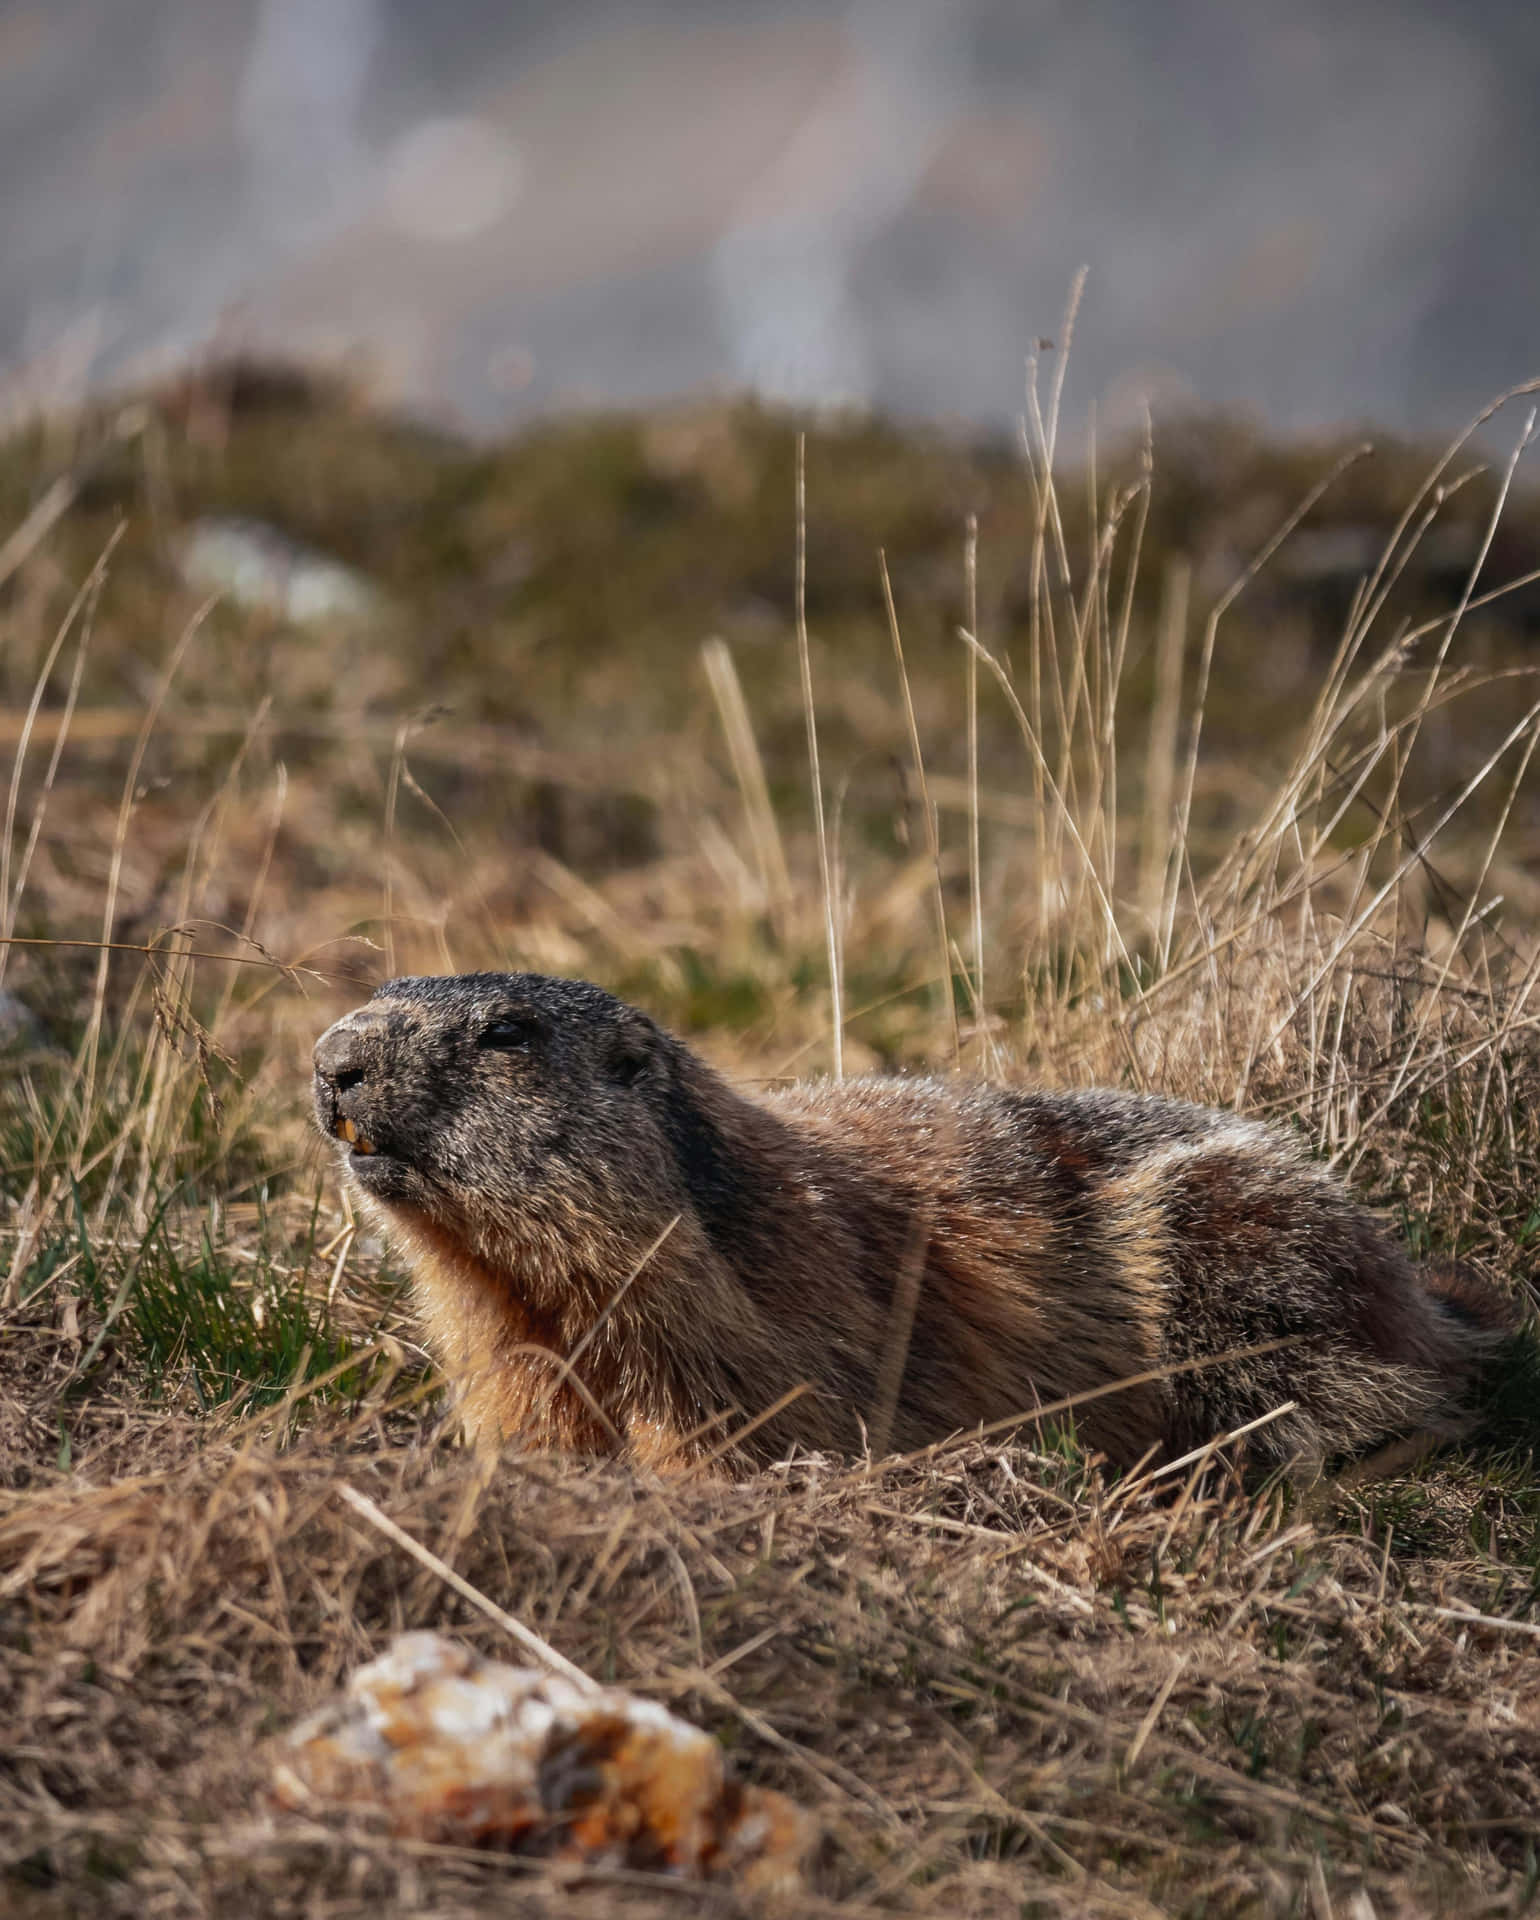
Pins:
x,y
349,1069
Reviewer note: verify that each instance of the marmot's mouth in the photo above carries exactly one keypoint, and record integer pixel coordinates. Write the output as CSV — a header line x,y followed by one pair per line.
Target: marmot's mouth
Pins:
x,y
345,1130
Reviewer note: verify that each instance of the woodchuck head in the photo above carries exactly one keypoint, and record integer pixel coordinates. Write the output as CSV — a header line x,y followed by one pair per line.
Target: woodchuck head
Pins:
x,y
530,1121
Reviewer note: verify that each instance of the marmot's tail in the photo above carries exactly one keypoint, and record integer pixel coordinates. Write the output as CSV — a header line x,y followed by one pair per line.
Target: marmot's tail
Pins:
x,y
1470,1299
1502,1358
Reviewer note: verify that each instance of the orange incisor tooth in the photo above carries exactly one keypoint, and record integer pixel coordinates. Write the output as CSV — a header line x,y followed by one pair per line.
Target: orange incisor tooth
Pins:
x,y
347,1131
361,1145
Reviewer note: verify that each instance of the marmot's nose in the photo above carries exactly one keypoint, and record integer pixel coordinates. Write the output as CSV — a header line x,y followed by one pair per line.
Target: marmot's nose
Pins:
x,y
345,1053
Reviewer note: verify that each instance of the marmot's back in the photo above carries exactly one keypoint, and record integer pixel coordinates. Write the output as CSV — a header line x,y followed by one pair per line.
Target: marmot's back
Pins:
x,y
612,1245
1077,1238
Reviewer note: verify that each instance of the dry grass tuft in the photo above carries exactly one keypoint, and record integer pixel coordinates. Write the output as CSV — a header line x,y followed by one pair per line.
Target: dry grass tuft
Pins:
x,y
996,1677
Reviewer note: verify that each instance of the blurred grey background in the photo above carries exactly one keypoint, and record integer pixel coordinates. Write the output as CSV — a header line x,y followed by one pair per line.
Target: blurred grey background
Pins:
x,y
1311,211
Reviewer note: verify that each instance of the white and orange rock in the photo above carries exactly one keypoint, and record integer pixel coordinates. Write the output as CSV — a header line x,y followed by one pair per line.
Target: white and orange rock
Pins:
x,y
455,1748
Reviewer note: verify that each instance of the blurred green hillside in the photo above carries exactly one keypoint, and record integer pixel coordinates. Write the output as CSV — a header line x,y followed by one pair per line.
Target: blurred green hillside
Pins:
x,y
561,584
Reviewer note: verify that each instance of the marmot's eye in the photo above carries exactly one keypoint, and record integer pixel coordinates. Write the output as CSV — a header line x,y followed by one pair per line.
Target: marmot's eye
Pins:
x,y
512,1035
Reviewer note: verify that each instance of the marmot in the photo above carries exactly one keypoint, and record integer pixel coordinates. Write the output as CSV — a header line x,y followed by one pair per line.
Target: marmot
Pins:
x,y
613,1247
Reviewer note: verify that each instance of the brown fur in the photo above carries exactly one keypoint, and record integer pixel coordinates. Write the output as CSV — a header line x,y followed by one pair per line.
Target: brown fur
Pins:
x,y
896,1259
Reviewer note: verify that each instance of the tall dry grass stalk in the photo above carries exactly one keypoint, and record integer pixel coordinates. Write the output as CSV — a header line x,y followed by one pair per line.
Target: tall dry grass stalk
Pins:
x,y
749,770
825,874
1158,830
932,834
975,860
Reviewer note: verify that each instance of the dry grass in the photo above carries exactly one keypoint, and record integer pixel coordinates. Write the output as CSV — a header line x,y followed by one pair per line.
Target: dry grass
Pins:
x,y
999,1679
1009,1683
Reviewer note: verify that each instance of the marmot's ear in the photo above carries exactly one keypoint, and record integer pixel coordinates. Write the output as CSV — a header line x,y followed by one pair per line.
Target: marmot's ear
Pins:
x,y
636,1049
